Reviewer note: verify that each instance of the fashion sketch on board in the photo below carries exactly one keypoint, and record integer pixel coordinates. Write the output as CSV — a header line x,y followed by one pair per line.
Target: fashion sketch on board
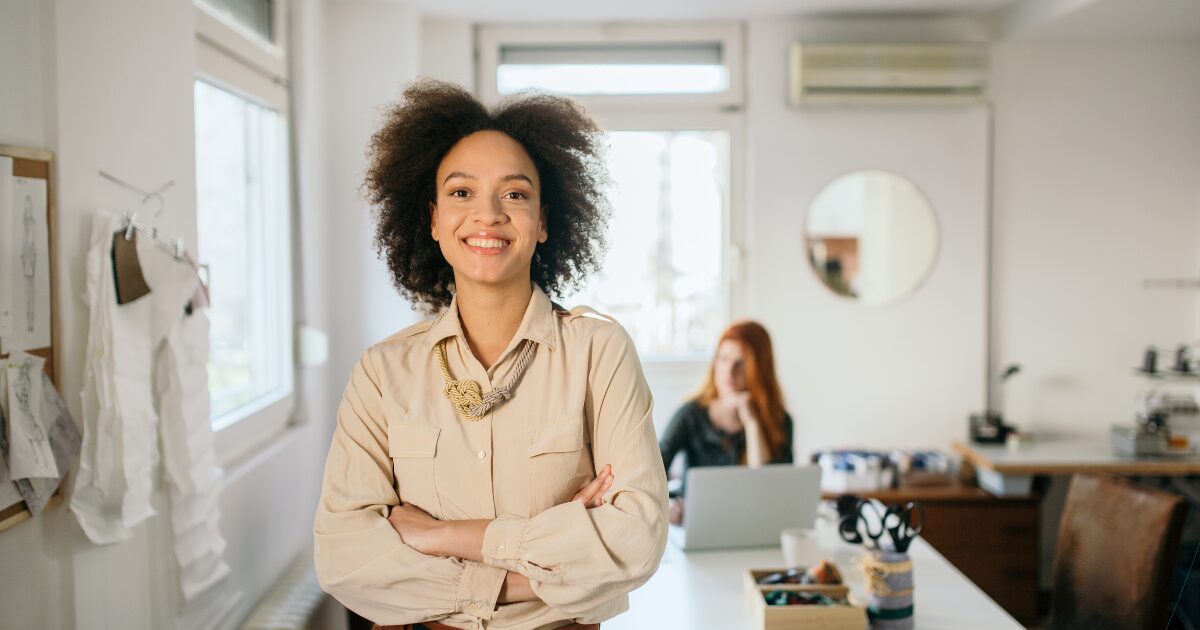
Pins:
x,y
23,389
7,316
28,260
28,256
29,453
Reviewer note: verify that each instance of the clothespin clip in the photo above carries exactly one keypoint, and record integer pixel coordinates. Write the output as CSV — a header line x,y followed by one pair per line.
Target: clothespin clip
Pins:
x,y
129,225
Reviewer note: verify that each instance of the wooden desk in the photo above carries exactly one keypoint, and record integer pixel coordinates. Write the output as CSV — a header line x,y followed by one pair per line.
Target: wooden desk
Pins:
x,y
1065,456
705,589
955,492
993,540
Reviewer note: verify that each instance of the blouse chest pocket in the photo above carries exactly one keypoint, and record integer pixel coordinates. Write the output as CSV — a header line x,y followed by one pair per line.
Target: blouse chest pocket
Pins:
x,y
560,462
412,447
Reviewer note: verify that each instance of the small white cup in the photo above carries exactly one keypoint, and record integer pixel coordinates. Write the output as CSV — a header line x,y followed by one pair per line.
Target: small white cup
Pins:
x,y
800,547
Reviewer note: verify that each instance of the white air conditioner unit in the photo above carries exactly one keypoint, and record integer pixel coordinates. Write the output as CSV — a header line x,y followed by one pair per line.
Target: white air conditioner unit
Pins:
x,y
887,73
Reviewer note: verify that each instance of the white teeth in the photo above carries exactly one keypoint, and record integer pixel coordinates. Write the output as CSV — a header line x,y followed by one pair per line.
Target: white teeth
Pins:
x,y
493,243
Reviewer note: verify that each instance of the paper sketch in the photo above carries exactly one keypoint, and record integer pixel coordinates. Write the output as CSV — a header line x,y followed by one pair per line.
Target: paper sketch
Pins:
x,y
29,453
29,253
29,259
65,442
6,219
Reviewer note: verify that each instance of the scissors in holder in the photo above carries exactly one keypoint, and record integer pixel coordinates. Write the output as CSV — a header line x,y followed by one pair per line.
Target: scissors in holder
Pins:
x,y
863,526
899,521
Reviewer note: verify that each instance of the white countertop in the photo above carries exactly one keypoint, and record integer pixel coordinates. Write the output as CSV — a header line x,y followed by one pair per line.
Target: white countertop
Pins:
x,y
706,589
1071,454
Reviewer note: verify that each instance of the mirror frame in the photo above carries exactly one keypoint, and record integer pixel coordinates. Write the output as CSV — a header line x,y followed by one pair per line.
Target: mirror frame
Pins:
x,y
924,278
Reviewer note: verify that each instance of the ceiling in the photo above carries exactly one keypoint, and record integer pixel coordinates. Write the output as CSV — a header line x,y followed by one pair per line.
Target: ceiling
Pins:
x,y
1116,21
1024,20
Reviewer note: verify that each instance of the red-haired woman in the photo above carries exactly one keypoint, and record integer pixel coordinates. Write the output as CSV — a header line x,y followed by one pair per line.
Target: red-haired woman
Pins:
x,y
737,417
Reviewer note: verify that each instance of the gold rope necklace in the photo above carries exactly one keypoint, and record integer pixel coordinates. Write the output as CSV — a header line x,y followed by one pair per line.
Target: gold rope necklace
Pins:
x,y
469,400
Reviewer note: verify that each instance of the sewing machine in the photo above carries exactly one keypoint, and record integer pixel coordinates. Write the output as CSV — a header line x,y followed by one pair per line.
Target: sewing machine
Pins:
x,y
1167,423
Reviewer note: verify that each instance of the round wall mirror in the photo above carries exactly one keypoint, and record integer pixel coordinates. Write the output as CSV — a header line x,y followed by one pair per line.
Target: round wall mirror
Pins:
x,y
871,236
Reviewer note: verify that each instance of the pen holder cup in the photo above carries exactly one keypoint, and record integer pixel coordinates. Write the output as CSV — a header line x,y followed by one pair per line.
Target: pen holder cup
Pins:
x,y
889,590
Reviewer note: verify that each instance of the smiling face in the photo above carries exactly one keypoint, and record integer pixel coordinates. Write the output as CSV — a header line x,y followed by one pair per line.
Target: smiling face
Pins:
x,y
488,216
729,368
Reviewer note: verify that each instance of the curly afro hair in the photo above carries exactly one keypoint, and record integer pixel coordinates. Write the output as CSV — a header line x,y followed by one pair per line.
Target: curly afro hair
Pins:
x,y
564,143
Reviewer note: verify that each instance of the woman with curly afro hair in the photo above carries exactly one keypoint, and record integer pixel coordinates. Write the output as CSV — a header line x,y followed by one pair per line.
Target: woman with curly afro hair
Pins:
x,y
496,466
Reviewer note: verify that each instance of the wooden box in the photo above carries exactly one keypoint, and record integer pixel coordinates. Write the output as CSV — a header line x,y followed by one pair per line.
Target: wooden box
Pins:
x,y
768,617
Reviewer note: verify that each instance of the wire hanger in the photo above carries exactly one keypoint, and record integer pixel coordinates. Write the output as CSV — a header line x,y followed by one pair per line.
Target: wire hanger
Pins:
x,y
130,223
129,281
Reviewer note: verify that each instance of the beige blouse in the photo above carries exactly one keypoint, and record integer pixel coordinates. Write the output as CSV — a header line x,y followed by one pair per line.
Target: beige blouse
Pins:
x,y
582,403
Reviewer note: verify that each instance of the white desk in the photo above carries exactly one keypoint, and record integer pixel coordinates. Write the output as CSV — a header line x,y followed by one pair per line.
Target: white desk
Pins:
x,y
1008,471
1065,455
706,589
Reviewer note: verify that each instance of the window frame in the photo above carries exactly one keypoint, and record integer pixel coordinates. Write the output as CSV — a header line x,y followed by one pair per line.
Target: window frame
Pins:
x,y
731,223
217,28
491,39
232,57
718,111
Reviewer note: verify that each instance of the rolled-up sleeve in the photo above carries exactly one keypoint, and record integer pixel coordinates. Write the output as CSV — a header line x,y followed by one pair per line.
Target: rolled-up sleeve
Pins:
x,y
580,561
360,558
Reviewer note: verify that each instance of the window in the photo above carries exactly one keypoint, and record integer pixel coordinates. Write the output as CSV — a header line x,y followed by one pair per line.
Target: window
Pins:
x,y
669,99
616,66
680,68
662,273
256,15
241,211
243,214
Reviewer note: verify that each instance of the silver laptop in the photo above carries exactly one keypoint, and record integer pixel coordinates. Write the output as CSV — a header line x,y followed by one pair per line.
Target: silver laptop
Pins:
x,y
735,506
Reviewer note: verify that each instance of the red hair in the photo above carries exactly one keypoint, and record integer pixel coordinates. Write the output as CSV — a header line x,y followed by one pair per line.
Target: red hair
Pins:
x,y
766,398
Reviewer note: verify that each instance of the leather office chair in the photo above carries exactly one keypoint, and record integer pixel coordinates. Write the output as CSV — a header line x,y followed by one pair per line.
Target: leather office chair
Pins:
x,y
1117,548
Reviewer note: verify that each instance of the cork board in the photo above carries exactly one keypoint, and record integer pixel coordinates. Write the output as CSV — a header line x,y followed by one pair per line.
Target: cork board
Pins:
x,y
36,319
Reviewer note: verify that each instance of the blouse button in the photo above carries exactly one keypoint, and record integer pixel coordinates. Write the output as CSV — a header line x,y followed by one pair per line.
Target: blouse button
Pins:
x,y
482,454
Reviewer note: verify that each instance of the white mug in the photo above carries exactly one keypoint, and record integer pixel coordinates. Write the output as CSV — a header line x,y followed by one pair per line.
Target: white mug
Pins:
x,y
800,547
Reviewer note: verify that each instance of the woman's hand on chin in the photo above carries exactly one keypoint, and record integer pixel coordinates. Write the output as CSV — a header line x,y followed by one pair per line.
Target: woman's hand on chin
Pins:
x,y
724,414
745,413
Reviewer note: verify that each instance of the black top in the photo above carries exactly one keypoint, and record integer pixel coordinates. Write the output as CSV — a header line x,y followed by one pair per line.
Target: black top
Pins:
x,y
692,432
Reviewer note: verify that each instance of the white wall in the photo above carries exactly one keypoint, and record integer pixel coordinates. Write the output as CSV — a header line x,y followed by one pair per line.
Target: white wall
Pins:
x,y
26,49
36,591
1097,187
904,374
447,51
98,85
374,47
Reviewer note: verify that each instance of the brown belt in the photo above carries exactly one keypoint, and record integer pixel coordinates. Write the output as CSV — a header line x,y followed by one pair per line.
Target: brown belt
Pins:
x,y
433,625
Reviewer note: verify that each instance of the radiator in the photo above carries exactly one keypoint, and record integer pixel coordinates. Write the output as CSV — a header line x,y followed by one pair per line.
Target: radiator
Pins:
x,y
292,603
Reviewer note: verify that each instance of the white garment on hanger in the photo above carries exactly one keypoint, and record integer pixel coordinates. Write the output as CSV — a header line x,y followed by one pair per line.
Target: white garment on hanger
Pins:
x,y
145,384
